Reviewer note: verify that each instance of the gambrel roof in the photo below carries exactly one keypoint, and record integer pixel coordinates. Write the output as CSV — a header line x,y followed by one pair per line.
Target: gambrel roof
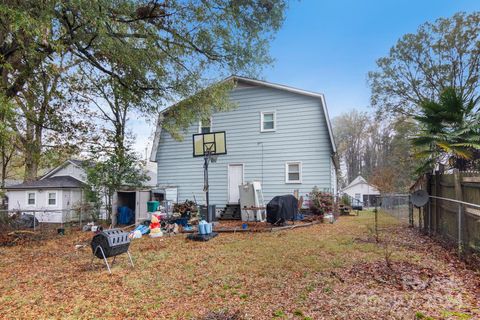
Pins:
x,y
254,83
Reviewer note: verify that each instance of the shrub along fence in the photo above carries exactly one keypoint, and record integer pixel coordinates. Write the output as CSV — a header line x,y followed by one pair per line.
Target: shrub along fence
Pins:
x,y
453,212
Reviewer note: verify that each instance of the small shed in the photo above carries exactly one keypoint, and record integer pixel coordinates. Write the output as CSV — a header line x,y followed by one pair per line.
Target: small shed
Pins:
x,y
362,192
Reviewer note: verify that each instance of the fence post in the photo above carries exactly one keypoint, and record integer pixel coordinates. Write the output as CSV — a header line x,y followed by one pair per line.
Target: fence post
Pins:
x,y
410,212
459,196
420,219
436,192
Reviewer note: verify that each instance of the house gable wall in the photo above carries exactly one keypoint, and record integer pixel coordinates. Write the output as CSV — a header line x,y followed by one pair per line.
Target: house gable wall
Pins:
x,y
301,134
360,188
71,170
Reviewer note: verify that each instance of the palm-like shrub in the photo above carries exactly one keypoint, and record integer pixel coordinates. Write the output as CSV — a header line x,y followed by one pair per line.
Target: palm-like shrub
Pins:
x,y
450,132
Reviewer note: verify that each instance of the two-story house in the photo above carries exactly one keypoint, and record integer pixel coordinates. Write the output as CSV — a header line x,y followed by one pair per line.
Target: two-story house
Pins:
x,y
277,135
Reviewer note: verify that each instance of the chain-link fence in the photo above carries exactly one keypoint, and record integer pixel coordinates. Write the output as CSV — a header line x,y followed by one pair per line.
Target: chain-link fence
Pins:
x,y
39,221
397,205
451,215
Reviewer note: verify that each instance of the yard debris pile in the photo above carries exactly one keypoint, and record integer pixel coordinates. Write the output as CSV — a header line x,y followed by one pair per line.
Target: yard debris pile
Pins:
x,y
241,226
21,237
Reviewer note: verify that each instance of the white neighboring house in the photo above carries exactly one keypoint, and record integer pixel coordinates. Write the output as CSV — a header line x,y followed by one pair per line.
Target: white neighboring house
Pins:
x,y
361,191
53,196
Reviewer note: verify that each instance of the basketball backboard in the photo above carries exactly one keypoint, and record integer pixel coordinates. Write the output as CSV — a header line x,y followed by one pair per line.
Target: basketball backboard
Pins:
x,y
213,143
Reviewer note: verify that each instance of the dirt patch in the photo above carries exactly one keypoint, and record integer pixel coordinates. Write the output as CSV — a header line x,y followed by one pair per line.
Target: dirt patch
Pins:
x,y
222,315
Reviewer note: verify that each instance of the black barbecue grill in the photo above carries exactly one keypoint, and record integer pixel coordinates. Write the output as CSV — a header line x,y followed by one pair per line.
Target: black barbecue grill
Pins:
x,y
111,243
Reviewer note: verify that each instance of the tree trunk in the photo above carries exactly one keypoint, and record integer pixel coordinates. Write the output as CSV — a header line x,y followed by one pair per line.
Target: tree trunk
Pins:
x,y
32,145
31,166
4,166
32,153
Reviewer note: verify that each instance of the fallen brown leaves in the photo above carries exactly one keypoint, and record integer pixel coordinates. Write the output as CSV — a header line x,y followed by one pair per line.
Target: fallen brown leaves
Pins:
x,y
21,237
317,272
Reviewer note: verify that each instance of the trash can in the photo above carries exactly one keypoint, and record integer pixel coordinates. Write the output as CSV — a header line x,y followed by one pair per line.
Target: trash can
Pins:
x,y
210,215
152,206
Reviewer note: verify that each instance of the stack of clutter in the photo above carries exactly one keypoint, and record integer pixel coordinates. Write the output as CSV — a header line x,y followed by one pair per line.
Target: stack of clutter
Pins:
x,y
91,227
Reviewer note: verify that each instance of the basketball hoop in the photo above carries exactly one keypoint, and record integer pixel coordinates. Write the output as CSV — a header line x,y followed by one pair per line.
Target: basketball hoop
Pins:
x,y
212,143
209,146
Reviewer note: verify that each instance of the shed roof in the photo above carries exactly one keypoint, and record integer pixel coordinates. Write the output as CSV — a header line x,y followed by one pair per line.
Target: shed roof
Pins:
x,y
59,182
356,181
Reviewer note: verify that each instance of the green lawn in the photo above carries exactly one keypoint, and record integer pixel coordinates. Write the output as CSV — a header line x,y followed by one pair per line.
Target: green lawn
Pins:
x,y
327,271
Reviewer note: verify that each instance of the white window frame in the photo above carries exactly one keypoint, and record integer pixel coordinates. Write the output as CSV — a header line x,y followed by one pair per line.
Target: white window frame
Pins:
x,y
287,164
262,114
34,198
200,125
48,198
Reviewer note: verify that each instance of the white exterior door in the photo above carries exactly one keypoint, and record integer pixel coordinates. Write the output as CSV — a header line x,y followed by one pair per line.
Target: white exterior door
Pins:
x,y
235,179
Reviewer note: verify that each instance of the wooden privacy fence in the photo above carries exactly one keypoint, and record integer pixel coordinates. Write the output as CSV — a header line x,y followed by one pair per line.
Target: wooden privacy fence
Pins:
x,y
453,211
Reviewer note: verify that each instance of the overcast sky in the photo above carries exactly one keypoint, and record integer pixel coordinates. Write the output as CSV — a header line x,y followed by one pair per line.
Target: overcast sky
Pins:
x,y
329,47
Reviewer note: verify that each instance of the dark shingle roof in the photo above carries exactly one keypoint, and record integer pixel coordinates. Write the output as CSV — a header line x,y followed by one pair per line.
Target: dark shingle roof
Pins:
x,y
58,182
79,162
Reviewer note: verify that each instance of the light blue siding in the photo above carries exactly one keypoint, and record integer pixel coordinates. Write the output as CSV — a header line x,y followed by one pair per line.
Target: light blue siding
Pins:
x,y
301,135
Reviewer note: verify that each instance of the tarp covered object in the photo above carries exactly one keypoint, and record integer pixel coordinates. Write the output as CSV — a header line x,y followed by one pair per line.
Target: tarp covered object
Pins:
x,y
282,208
125,215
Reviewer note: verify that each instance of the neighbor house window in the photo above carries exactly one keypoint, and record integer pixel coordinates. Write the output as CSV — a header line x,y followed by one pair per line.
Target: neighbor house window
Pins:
x,y
31,198
52,198
267,121
205,126
293,172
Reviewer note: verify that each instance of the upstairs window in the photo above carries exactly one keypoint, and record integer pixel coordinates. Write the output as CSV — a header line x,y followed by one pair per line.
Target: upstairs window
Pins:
x,y
205,126
31,198
293,172
52,198
267,121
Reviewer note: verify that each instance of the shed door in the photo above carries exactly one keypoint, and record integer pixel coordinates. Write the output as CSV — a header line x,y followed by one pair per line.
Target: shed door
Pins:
x,y
235,179
142,197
